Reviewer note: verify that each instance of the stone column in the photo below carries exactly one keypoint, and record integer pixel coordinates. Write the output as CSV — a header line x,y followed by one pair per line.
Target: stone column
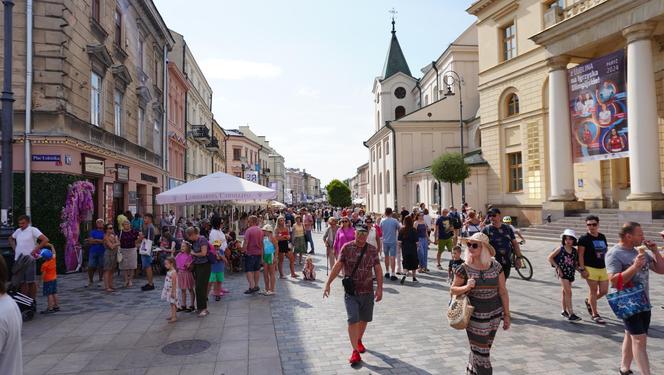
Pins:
x,y
642,124
561,168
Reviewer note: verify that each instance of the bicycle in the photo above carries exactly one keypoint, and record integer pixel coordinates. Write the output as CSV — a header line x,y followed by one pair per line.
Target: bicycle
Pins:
x,y
526,268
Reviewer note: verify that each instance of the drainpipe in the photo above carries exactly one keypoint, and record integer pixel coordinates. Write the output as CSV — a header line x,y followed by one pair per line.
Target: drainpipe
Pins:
x,y
435,94
28,107
164,117
186,107
419,88
388,124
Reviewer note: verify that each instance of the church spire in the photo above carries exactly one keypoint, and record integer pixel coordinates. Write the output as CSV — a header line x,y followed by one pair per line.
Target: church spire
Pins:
x,y
395,61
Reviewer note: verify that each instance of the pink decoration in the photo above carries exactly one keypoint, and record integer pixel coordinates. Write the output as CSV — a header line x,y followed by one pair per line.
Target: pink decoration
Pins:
x,y
77,206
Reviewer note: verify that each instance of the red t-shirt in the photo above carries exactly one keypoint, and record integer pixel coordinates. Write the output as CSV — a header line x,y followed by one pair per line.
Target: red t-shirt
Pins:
x,y
363,277
253,236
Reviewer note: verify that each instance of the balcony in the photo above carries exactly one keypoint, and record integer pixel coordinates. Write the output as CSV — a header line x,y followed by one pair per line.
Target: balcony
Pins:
x,y
213,145
200,133
555,14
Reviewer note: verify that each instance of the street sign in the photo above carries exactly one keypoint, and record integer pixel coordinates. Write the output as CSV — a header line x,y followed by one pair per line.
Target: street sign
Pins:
x,y
251,176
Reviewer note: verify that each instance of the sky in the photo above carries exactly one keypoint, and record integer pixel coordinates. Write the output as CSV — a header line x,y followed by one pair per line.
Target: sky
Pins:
x,y
300,72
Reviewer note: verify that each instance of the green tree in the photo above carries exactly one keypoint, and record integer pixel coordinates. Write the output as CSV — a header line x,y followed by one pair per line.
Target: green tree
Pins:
x,y
450,168
338,194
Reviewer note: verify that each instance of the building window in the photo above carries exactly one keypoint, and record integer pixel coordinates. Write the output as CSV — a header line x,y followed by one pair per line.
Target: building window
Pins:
x,y
436,194
399,112
237,154
380,183
387,147
417,193
141,125
400,93
515,167
556,3
156,146
141,52
378,151
373,155
117,18
435,93
95,99
426,100
512,105
387,182
509,41
117,111
373,185
96,10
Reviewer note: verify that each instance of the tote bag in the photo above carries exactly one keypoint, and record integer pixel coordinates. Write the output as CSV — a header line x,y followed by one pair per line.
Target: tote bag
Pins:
x,y
146,245
628,301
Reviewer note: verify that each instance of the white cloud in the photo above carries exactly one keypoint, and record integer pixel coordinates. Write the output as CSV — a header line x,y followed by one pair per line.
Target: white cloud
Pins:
x,y
308,92
230,69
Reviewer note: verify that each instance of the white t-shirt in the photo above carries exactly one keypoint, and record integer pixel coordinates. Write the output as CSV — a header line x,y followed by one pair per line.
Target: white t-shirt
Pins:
x,y
11,361
428,221
26,239
217,235
371,238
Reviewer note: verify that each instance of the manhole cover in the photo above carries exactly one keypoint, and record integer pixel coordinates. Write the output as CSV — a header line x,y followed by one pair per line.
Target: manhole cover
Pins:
x,y
186,347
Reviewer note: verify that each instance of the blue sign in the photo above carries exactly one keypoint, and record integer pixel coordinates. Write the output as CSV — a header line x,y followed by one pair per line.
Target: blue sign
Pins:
x,y
46,158
257,167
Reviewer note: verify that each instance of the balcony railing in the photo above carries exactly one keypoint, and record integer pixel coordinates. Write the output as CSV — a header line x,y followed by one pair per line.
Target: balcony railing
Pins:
x,y
556,15
213,145
201,133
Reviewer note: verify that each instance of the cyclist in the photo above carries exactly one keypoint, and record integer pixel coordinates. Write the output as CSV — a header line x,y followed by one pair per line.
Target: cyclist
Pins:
x,y
517,232
501,237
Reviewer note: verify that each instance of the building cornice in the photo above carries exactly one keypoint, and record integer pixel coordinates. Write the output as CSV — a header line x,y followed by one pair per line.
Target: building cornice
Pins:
x,y
479,6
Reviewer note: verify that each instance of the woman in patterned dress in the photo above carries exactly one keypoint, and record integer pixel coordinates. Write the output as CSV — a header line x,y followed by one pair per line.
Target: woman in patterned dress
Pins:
x,y
481,278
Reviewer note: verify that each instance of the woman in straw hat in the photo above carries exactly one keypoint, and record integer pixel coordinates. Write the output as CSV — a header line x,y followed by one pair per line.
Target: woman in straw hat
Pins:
x,y
481,278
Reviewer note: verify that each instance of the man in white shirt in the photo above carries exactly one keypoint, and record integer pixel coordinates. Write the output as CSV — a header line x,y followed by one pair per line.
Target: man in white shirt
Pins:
x,y
11,357
24,242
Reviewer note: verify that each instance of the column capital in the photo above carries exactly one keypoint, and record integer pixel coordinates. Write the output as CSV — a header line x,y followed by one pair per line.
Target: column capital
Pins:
x,y
557,62
639,31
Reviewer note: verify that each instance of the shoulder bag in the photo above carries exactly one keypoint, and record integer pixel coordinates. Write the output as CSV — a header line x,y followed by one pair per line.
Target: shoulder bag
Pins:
x,y
459,310
347,281
146,245
626,302
118,255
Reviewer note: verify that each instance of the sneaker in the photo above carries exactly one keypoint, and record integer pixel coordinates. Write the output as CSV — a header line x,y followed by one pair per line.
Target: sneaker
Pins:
x,y
355,358
564,314
393,278
190,309
56,308
360,347
403,280
147,287
256,289
387,275
415,279
574,318
399,273
89,285
590,309
249,291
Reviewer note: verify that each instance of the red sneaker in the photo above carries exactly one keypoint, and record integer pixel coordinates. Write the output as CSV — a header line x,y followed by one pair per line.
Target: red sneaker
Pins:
x,y
355,358
360,347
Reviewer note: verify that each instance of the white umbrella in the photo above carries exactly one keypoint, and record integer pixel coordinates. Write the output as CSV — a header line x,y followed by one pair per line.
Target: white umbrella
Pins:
x,y
276,204
358,201
216,187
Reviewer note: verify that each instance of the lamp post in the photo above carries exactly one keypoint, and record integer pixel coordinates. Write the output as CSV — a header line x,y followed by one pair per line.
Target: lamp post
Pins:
x,y
452,78
7,100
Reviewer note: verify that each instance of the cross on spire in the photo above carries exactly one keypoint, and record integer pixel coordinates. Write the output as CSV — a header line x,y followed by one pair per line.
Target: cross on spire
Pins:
x,y
394,13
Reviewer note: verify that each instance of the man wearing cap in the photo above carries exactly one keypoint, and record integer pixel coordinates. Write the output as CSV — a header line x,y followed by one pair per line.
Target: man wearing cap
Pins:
x,y
360,263
96,253
502,238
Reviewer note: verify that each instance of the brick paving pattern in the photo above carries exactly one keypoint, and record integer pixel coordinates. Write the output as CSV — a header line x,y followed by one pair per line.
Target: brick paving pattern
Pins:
x,y
297,332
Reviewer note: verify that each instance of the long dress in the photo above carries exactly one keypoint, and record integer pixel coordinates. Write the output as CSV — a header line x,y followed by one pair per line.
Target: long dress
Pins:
x,y
409,249
485,319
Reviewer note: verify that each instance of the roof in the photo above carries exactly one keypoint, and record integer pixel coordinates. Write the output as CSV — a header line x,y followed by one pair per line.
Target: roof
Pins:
x,y
234,132
395,61
472,158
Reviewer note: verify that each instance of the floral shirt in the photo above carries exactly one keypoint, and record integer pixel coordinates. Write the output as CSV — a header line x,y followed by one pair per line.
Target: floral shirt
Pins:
x,y
363,277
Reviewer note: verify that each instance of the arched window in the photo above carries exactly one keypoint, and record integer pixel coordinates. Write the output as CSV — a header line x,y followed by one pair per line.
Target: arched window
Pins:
x,y
399,112
436,194
417,193
512,105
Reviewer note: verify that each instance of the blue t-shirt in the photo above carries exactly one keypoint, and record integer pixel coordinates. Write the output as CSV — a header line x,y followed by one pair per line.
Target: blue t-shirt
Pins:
x,y
268,246
390,227
97,235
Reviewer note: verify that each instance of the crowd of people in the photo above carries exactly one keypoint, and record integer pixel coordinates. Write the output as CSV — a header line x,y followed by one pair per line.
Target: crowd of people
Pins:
x,y
194,255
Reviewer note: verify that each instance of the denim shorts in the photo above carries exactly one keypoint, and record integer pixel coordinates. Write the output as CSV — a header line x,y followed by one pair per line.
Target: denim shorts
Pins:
x,y
390,249
96,260
146,261
50,287
252,263
359,308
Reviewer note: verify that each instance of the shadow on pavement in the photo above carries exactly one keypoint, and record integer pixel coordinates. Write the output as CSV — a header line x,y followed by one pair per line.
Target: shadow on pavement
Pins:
x,y
393,365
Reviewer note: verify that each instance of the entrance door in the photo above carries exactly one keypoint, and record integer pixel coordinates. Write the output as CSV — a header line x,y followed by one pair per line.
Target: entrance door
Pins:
x,y
118,198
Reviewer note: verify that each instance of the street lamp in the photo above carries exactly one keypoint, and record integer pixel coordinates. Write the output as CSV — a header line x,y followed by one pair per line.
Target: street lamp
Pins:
x,y
452,78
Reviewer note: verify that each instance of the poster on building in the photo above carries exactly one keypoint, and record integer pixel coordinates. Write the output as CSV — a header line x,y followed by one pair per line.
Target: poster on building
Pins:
x,y
598,108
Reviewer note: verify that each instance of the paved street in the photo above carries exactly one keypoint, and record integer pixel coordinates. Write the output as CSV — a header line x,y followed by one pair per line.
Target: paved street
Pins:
x,y
297,332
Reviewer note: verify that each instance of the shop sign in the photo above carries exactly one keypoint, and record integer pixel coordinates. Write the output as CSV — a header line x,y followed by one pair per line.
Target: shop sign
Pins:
x,y
47,158
133,197
149,178
122,173
93,165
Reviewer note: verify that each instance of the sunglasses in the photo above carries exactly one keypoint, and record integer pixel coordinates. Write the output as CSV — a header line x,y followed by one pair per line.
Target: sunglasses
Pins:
x,y
591,224
107,228
491,215
473,245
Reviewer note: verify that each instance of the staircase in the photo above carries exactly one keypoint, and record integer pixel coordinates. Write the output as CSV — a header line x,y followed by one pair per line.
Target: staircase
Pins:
x,y
608,225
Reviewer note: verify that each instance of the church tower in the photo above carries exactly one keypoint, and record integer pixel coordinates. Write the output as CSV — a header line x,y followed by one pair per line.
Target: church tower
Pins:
x,y
393,90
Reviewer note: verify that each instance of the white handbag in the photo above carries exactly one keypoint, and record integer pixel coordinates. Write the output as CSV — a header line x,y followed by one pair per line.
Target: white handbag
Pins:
x,y
146,246
459,312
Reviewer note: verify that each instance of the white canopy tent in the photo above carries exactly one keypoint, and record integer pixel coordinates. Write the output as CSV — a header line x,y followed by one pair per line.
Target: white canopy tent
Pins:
x,y
216,187
358,201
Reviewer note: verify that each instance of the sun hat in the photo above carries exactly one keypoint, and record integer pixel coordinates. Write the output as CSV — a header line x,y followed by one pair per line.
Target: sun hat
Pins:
x,y
267,228
569,233
482,238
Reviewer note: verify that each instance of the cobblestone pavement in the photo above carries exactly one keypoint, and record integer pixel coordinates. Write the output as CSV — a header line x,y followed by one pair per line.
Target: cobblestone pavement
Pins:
x,y
297,332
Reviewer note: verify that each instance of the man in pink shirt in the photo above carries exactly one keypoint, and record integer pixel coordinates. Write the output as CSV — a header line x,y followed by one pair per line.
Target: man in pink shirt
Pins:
x,y
308,222
252,246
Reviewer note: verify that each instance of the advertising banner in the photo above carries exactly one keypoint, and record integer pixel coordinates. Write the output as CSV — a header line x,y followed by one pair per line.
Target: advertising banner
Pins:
x,y
598,108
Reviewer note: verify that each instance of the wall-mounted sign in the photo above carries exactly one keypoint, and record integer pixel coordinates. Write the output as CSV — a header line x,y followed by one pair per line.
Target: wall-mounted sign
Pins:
x,y
133,197
92,165
122,173
149,178
46,158
251,176
68,159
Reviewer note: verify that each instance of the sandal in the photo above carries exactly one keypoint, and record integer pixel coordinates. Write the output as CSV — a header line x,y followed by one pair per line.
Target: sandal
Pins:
x,y
181,309
590,309
203,313
598,319
628,372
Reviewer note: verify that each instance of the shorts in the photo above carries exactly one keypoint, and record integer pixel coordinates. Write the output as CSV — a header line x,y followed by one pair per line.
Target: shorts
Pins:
x,y
638,324
29,273
597,274
216,277
268,258
96,260
252,263
359,308
445,244
50,287
390,249
146,261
